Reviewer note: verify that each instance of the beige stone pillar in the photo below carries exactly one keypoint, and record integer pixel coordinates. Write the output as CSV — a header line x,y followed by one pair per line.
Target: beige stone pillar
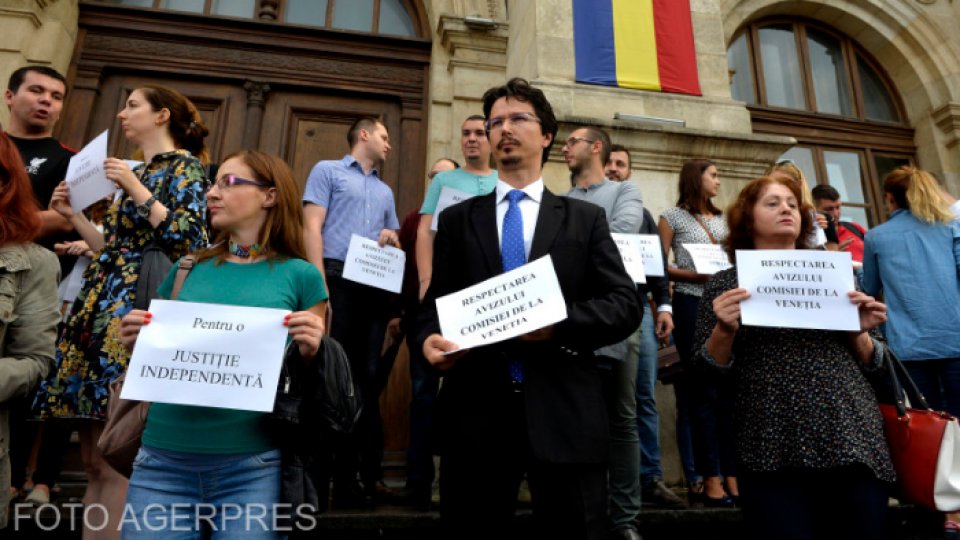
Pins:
x,y
36,32
467,59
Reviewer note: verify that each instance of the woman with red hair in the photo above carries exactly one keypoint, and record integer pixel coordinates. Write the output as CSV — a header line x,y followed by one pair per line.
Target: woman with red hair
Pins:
x,y
812,458
28,299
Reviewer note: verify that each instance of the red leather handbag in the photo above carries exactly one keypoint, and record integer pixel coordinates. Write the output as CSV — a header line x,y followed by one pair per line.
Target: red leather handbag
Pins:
x,y
924,444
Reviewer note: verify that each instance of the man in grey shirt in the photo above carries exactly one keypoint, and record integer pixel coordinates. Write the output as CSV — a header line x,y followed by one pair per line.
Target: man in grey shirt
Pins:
x,y
586,152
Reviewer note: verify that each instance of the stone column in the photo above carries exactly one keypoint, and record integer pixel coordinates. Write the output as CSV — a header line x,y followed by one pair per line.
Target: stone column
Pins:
x,y
256,95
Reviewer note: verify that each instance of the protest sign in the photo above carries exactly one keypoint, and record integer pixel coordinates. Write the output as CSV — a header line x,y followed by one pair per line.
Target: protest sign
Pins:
x,y
797,288
208,355
85,176
629,246
652,254
448,197
514,303
370,264
708,258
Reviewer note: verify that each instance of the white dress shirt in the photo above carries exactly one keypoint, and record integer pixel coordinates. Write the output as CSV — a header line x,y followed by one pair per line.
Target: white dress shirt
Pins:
x,y
529,209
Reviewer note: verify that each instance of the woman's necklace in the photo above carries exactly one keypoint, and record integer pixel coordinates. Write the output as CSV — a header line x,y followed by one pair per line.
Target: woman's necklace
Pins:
x,y
245,252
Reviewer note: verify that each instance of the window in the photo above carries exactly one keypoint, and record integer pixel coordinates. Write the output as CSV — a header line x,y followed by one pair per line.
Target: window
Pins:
x,y
390,17
809,82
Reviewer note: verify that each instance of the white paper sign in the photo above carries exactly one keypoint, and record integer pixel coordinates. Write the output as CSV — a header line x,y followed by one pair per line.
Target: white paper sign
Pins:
x,y
88,183
629,246
708,258
208,355
132,163
797,288
448,197
370,264
514,303
652,254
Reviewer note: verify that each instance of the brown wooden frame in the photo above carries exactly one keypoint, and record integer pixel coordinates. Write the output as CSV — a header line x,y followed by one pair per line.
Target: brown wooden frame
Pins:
x,y
824,131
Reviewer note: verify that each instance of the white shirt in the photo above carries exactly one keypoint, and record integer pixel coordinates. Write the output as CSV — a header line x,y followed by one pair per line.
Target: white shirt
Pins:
x,y
529,210
955,208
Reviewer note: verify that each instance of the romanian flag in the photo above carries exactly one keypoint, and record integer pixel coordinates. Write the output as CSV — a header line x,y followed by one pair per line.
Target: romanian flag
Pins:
x,y
642,44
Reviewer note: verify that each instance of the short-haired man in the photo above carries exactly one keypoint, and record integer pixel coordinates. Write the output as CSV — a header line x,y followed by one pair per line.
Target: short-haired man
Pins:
x,y
475,178
35,97
533,404
642,344
586,151
849,234
342,198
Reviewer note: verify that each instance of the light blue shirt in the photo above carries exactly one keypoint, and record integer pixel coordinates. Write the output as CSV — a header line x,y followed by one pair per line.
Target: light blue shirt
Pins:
x,y
356,203
458,179
917,266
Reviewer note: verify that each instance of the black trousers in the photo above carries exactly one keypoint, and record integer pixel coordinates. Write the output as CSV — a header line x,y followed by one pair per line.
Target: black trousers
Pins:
x,y
359,324
806,504
479,484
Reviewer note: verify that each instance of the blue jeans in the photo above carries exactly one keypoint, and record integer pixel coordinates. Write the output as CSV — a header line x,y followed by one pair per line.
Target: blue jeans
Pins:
x,y
178,495
938,381
648,420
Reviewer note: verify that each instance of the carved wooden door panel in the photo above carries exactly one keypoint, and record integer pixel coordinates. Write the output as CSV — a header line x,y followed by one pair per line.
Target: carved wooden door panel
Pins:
x,y
304,127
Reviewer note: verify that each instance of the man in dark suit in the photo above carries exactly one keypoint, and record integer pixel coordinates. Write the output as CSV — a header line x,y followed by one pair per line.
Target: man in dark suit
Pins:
x,y
531,405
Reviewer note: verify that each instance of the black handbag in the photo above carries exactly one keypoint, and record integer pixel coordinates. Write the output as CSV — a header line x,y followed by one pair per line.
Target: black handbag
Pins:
x,y
315,396
154,268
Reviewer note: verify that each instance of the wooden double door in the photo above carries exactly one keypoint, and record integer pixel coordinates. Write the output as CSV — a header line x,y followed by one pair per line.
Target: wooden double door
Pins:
x,y
290,91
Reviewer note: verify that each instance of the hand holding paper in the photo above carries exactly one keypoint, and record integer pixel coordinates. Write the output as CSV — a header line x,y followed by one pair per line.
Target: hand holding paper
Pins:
x,y
872,313
118,171
441,352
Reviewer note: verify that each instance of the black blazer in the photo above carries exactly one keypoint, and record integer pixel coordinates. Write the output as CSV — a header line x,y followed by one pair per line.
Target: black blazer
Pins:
x,y
565,408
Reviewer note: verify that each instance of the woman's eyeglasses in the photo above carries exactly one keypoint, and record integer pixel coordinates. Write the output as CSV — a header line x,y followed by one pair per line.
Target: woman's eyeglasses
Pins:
x,y
228,181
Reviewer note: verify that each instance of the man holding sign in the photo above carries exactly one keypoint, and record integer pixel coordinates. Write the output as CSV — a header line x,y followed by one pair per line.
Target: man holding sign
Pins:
x,y
343,198
532,404
474,178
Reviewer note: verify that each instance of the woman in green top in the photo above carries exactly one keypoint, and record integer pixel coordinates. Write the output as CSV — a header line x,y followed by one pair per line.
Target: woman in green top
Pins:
x,y
216,469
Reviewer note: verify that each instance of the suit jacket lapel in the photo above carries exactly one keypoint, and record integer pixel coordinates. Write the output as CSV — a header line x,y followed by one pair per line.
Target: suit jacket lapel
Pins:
x,y
548,224
484,216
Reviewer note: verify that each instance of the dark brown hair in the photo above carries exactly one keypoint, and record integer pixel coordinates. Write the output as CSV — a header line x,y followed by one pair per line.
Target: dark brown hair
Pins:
x,y
282,234
520,90
740,215
19,212
692,199
186,126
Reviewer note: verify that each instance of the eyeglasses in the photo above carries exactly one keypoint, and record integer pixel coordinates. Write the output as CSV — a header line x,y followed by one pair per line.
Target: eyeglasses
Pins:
x,y
517,119
784,161
574,140
230,180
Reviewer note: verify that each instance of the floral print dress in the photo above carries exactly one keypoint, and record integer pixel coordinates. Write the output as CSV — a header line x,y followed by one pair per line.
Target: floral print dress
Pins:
x,y
89,354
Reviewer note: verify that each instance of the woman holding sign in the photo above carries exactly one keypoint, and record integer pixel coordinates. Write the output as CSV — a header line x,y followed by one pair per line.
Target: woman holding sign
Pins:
x,y
162,204
813,460
914,259
221,461
696,220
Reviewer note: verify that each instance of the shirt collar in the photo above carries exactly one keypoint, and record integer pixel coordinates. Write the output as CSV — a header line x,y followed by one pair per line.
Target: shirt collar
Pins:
x,y
534,190
897,211
592,187
350,161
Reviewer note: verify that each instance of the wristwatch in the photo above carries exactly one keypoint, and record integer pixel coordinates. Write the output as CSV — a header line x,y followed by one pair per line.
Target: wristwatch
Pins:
x,y
143,210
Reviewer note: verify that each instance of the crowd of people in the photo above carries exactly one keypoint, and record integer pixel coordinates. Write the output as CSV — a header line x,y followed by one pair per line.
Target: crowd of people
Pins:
x,y
782,422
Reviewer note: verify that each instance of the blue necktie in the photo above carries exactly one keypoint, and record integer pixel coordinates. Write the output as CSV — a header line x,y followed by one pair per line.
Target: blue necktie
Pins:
x,y
513,255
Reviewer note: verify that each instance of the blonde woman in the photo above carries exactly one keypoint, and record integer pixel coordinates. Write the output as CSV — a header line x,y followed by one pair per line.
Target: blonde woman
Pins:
x,y
914,260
